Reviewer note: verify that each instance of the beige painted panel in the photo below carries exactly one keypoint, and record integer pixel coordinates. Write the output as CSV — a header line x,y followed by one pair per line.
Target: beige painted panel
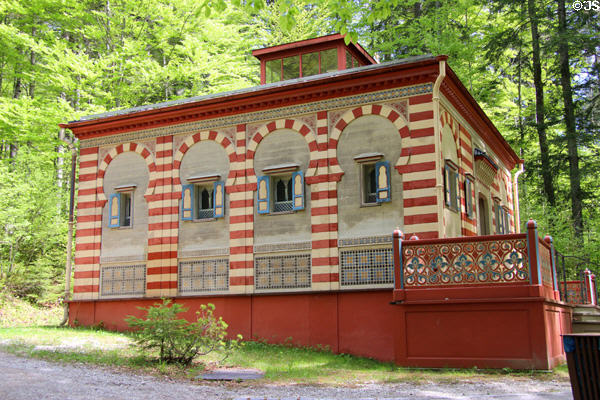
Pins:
x,y
127,168
368,134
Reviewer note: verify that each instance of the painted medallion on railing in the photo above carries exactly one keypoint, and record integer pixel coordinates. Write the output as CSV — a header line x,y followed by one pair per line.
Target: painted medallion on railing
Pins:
x,y
477,262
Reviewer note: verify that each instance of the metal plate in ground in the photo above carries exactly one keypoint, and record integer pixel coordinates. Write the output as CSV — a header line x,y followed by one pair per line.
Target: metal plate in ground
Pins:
x,y
232,374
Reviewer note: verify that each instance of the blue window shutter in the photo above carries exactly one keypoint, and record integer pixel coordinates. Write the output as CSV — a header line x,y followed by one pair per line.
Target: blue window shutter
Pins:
x,y
457,188
447,185
468,198
382,177
187,202
298,190
498,218
114,210
219,199
263,195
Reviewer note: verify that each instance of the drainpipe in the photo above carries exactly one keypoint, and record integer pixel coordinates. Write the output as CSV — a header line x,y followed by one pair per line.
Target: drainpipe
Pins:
x,y
437,129
517,214
71,144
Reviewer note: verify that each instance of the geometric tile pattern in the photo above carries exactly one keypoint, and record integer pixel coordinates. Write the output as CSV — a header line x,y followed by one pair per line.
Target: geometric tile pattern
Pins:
x,y
203,276
367,267
365,241
123,280
282,272
476,262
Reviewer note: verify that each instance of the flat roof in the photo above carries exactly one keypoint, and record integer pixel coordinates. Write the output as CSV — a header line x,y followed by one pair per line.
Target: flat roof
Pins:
x,y
249,90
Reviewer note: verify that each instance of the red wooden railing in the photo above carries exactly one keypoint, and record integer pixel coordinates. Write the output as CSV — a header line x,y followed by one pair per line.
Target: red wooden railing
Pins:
x,y
513,259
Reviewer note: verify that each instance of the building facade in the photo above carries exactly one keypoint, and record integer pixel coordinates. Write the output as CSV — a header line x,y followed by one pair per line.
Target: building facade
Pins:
x,y
277,203
293,185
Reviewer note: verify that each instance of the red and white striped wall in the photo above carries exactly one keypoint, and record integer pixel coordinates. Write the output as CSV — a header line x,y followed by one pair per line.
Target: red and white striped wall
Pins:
x,y
419,174
163,225
88,234
416,165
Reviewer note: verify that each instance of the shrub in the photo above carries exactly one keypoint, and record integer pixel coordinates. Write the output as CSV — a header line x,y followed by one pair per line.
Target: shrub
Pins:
x,y
175,339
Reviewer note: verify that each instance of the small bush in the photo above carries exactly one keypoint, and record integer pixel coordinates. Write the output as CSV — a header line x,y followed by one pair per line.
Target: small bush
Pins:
x,y
175,339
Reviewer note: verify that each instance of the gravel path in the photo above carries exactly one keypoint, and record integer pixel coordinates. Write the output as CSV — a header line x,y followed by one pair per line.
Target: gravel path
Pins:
x,y
31,379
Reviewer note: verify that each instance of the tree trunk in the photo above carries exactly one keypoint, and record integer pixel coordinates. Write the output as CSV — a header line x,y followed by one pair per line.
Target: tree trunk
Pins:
x,y
539,104
32,63
567,92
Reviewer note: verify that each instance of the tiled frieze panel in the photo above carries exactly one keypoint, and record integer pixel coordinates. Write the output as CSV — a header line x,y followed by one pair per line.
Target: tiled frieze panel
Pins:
x,y
123,280
367,267
88,234
202,276
365,241
283,272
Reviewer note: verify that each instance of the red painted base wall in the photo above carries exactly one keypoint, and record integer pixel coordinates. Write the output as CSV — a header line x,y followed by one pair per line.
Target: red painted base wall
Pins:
x,y
487,333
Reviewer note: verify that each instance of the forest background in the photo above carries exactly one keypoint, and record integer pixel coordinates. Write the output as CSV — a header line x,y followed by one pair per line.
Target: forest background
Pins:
x,y
533,66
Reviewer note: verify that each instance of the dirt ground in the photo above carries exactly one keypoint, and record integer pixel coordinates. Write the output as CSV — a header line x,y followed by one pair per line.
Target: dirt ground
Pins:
x,y
31,379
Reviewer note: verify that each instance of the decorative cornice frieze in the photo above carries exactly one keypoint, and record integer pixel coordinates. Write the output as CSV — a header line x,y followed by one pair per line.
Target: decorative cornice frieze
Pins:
x,y
365,241
223,251
276,247
251,117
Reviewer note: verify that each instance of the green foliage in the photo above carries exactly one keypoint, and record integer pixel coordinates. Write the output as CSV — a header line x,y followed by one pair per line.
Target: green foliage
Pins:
x,y
61,60
177,340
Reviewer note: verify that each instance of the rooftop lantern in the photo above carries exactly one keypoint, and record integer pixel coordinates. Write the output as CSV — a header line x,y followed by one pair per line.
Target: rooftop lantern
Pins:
x,y
309,57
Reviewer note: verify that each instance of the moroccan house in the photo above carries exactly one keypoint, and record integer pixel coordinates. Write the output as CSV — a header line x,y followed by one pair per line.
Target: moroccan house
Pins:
x,y
277,203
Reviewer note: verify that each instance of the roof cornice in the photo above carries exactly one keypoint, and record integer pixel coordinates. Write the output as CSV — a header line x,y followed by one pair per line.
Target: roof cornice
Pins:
x,y
360,80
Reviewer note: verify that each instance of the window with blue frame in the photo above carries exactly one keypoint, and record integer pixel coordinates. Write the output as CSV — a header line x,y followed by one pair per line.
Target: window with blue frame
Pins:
x,y
202,201
280,193
120,209
451,192
375,182
502,217
469,195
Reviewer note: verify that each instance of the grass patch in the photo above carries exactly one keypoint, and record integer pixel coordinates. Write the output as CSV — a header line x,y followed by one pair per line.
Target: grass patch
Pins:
x,y
281,363
16,312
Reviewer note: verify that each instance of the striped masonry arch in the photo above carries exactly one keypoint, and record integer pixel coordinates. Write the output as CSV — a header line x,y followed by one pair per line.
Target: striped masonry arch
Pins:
x,y
294,125
199,137
373,109
113,153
